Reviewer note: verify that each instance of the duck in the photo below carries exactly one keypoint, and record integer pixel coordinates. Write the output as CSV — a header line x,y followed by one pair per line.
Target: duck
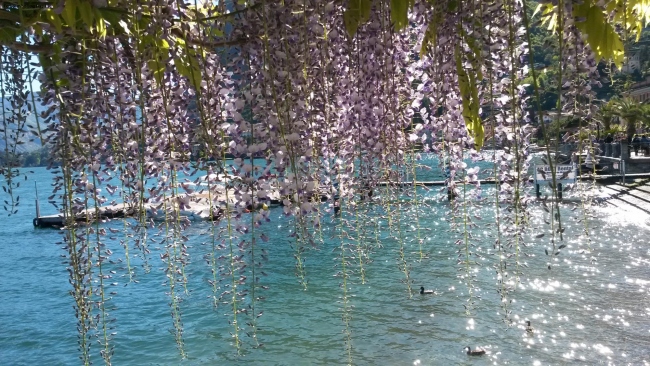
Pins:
x,y
529,328
478,351
425,292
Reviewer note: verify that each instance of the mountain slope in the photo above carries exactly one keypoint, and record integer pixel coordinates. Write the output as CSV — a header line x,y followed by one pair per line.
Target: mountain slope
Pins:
x,y
30,141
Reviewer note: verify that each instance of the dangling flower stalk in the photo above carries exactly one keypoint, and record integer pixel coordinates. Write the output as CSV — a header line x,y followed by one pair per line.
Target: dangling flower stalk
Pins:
x,y
6,171
94,169
519,151
392,87
293,179
212,139
555,207
101,253
76,247
465,199
12,79
416,200
30,79
119,158
586,72
346,307
138,145
332,90
502,273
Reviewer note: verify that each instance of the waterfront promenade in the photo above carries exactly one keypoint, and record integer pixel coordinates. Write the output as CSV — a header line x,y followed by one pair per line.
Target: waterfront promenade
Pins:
x,y
632,196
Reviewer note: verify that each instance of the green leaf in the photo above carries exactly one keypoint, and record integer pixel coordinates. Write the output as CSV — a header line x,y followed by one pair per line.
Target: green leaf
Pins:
x,y
195,71
50,17
467,83
188,66
430,37
475,55
431,34
548,15
86,12
634,15
38,29
69,13
163,44
159,49
181,67
601,35
537,9
399,13
357,13
8,35
114,19
157,70
101,25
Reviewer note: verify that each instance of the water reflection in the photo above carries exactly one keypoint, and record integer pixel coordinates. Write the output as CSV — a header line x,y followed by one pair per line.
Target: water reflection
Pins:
x,y
591,307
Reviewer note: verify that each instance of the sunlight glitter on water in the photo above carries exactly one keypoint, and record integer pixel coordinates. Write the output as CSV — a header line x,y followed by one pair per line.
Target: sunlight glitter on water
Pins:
x,y
544,286
620,219
602,305
470,324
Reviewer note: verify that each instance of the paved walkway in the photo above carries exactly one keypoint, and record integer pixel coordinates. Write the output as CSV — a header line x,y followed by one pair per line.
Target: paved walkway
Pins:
x,y
631,196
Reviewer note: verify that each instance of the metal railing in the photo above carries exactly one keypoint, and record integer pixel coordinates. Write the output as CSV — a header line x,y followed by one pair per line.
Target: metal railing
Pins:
x,y
611,150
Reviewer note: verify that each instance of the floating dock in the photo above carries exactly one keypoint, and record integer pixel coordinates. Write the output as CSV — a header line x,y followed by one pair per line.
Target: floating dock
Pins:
x,y
194,206
430,183
105,212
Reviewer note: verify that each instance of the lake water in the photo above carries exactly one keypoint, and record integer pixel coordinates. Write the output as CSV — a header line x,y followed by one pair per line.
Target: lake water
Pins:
x,y
589,309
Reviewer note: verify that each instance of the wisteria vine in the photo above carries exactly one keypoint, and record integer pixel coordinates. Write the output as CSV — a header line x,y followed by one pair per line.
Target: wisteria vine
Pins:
x,y
322,107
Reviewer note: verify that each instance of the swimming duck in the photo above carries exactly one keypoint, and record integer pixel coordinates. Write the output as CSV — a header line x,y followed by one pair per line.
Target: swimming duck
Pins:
x,y
425,292
529,328
478,351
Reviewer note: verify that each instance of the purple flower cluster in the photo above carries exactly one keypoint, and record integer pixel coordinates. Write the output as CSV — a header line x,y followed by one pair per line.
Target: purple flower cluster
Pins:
x,y
274,101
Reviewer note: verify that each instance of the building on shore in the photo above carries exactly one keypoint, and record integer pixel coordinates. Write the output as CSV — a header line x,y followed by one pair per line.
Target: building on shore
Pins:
x,y
640,92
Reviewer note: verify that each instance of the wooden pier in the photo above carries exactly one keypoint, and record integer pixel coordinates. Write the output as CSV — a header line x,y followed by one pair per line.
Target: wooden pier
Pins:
x,y
430,183
199,206
102,213
195,206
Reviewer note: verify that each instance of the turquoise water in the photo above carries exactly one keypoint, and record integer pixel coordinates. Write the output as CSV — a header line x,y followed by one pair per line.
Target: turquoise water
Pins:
x,y
590,308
